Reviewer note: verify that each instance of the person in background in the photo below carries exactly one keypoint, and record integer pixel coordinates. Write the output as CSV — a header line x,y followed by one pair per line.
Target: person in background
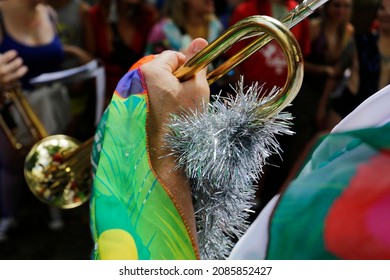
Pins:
x,y
181,22
333,54
29,46
72,23
224,10
373,43
72,26
268,67
16,33
337,205
119,30
384,46
158,4
268,64
71,19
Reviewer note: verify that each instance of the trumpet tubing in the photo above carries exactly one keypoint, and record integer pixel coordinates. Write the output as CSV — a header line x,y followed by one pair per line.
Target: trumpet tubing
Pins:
x,y
14,97
57,168
255,24
236,33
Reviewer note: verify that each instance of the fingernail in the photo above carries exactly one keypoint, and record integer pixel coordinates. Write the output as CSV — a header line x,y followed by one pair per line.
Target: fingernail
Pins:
x,y
196,47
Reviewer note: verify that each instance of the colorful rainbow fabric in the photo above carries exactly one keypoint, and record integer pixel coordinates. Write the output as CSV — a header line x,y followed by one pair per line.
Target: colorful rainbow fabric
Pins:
x,y
132,215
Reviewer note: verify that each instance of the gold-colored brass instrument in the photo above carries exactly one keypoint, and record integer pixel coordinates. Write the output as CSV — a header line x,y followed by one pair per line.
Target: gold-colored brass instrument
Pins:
x,y
255,24
57,167
14,97
57,171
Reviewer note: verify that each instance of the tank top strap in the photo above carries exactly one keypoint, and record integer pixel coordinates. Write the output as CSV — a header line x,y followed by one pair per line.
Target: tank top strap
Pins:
x,y
53,18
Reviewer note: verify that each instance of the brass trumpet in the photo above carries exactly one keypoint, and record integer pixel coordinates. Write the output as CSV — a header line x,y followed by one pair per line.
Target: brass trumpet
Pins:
x,y
57,169
14,97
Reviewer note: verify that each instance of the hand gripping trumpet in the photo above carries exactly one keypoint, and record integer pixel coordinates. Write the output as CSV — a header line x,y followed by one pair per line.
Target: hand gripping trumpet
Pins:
x,y
221,148
57,168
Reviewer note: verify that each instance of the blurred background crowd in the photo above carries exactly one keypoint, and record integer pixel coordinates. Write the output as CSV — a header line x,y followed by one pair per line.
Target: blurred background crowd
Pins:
x,y
346,47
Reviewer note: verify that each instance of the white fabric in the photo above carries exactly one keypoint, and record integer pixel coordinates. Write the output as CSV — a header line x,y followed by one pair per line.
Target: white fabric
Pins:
x,y
253,245
93,69
51,105
373,112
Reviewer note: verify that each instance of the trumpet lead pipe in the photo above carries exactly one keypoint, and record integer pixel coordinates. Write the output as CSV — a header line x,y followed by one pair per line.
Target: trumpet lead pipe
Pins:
x,y
216,48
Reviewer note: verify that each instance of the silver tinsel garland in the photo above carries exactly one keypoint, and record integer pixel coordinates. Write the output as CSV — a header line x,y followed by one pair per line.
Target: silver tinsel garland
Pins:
x,y
223,148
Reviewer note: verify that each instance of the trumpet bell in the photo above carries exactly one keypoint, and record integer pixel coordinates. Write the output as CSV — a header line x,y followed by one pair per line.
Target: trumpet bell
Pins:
x,y
53,182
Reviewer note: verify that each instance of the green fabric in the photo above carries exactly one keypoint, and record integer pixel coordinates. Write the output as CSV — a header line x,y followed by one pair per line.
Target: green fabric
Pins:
x,y
299,221
127,197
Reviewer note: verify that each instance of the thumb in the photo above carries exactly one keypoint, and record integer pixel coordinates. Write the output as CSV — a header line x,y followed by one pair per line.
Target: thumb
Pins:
x,y
195,46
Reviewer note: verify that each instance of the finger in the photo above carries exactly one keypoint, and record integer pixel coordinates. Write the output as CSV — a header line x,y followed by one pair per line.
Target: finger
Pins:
x,y
15,75
10,62
170,60
13,65
196,46
13,70
8,56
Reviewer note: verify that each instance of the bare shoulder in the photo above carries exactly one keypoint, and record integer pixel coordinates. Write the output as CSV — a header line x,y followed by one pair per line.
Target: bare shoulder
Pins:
x,y
47,10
